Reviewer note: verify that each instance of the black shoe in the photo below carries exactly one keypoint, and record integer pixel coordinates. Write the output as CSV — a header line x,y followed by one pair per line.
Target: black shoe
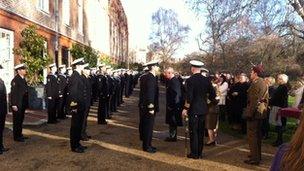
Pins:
x,y
251,162
25,138
4,149
103,123
85,139
83,147
150,150
20,139
210,144
170,139
191,156
201,156
78,150
154,148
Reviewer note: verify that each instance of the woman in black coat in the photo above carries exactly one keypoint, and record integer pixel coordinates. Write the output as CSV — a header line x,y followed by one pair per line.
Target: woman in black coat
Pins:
x,y
280,99
238,98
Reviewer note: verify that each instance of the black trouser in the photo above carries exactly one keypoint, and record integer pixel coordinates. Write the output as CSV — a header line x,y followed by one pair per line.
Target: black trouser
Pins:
x,y
85,121
196,128
140,127
113,103
222,112
102,110
147,128
76,125
18,118
61,107
2,124
121,95
254,135
280,129
173,131
108,107
52,110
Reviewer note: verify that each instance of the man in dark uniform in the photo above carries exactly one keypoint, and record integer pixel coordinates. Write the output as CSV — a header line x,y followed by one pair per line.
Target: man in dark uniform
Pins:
x,y
117,90
127,84
93,80
110,91
68,74
88,98
174,104
131,84
3,112
123,82
19,101
256,93
77,103
198,90
148,99
102,83
52,94
62,89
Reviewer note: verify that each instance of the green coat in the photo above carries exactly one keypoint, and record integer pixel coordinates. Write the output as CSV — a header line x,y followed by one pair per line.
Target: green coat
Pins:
x,y
255,93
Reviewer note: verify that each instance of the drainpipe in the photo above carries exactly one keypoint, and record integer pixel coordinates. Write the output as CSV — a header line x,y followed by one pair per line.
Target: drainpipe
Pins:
x,y
57,31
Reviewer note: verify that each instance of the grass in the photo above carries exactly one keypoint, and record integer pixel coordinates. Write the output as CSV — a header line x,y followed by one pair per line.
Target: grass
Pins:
x,y
225,127
291,126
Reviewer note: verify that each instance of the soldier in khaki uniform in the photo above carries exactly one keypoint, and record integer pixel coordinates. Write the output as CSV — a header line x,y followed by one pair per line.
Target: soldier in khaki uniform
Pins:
x,y
256,93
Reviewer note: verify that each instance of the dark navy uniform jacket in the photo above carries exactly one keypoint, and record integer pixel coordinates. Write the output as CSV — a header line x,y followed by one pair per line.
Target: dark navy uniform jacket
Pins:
x,y
198,89
19,92
148,96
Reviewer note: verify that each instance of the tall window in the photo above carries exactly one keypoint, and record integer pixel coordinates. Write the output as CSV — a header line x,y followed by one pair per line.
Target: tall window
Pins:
x,y
66,11
44,5
80,16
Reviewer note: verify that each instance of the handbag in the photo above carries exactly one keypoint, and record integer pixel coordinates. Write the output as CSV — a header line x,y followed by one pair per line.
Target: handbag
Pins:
x,y
262,107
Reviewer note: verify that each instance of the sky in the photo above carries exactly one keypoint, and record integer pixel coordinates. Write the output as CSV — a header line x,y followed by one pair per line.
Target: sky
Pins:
x,y
139,14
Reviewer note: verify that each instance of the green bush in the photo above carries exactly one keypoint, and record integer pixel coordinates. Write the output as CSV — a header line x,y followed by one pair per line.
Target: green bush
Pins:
x,y
34,54
89,54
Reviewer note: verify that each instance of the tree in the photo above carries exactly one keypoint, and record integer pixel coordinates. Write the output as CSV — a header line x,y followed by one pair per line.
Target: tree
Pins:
x,y
252,31
34,54
167,35
88,53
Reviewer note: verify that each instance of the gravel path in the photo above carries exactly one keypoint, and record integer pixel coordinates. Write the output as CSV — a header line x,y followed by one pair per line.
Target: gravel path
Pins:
x,y
116,146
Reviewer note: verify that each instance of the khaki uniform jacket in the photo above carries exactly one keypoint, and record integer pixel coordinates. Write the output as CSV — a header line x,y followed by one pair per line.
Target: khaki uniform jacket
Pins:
x,y
255,94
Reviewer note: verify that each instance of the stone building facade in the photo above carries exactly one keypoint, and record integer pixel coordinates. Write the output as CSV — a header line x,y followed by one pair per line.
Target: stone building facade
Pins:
x,y
63,22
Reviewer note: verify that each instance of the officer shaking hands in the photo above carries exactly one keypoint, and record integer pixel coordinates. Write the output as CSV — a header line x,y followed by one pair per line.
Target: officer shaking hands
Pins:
x,y
148,101
198,90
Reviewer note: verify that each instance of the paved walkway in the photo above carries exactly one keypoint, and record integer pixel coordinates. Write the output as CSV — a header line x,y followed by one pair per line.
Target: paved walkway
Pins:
x,y
116,146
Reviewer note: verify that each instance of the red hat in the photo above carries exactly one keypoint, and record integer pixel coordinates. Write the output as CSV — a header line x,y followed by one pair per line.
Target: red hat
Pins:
x,y
258,69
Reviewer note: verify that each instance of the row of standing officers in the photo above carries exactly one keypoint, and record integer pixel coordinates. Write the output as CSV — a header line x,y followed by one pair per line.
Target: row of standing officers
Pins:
x,y
76,93
69,91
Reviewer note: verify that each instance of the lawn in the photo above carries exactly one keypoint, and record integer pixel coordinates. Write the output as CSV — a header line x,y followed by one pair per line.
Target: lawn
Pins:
x,y
225,127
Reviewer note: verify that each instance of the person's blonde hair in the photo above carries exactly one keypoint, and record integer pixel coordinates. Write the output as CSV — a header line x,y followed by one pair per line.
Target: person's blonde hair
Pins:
x,y
294,156
284,78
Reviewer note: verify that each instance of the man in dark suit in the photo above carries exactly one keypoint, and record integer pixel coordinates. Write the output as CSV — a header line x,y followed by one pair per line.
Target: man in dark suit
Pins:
x,y
103,90
174,104
198,90
3,112
52,94
77,103
19,101
62,88
148,100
